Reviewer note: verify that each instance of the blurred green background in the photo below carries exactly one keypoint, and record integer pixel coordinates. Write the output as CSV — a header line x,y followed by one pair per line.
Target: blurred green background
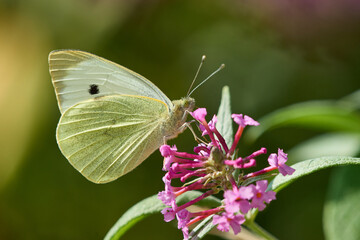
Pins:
x,y
276,53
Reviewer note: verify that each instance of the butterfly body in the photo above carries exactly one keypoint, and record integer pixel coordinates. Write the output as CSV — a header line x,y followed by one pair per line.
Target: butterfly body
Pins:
x,y
110,125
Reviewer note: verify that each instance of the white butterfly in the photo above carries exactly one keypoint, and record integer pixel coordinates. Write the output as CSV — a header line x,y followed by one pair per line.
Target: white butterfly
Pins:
x,y
112,118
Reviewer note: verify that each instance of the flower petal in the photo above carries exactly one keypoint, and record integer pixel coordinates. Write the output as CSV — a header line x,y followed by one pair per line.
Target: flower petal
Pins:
x,y
244,120
199,114
286,170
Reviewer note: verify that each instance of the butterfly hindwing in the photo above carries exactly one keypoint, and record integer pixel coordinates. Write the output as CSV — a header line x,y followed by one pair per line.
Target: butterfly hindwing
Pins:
x,y
106,137
79,76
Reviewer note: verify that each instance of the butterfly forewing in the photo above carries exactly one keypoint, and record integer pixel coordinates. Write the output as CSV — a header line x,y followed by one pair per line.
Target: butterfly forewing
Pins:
x,y
78,76
106,137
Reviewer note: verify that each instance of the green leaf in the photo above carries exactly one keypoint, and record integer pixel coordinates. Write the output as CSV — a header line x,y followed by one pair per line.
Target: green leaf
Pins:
x,y
307,167
324,115
153,205
353,99
202,229
341,211
139,211
331,144
224,123
258,178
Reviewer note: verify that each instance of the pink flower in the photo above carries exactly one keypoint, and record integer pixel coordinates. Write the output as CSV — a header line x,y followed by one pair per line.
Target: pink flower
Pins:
x,y
203,150
185,231
278,161
211,125
183,217
238,199
199,114
261,196
243,121
207,169
167,151
240,163
167,196
168,213
167,162
167,180
225,220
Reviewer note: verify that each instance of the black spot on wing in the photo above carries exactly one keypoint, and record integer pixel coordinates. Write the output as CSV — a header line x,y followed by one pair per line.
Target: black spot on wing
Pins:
x,y
94,89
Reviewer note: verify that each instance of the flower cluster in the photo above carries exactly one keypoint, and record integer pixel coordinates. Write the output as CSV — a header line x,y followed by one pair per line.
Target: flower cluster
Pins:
x,y
211,169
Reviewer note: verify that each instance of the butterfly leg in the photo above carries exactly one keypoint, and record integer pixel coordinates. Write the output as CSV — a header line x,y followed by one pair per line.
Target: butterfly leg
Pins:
x,y
188,125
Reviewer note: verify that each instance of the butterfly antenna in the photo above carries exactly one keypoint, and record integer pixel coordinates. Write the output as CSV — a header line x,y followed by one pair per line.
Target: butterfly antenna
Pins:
x,y
197,73
216,71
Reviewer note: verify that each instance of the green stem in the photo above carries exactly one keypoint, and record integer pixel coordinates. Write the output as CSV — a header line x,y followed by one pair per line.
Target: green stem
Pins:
x,y
254,227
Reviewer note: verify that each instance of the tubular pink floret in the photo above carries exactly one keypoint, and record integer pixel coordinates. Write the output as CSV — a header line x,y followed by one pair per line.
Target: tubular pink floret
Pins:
x,y
236,140
191,165
198,149
244,120
221,140
197,173
255,154
204,195
278,161
189,155
199,114
211,135
203,214
211,125
166,150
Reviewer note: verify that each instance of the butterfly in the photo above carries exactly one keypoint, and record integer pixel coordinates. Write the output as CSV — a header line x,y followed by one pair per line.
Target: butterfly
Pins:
x,y
112,118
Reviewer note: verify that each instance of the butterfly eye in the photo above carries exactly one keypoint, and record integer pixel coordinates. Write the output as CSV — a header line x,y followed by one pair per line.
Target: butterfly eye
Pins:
x,y
186,104
94,89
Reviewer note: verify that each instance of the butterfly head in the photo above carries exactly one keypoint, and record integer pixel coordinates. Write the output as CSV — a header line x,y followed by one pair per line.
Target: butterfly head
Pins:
x,y
184,105
188,103
174,125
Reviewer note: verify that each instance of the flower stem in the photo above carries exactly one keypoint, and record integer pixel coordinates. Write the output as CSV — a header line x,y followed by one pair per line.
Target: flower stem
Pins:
x,y
254,227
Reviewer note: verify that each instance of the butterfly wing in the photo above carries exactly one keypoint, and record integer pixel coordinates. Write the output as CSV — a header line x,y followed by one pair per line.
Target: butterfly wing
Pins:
x,y
78,76
106,137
